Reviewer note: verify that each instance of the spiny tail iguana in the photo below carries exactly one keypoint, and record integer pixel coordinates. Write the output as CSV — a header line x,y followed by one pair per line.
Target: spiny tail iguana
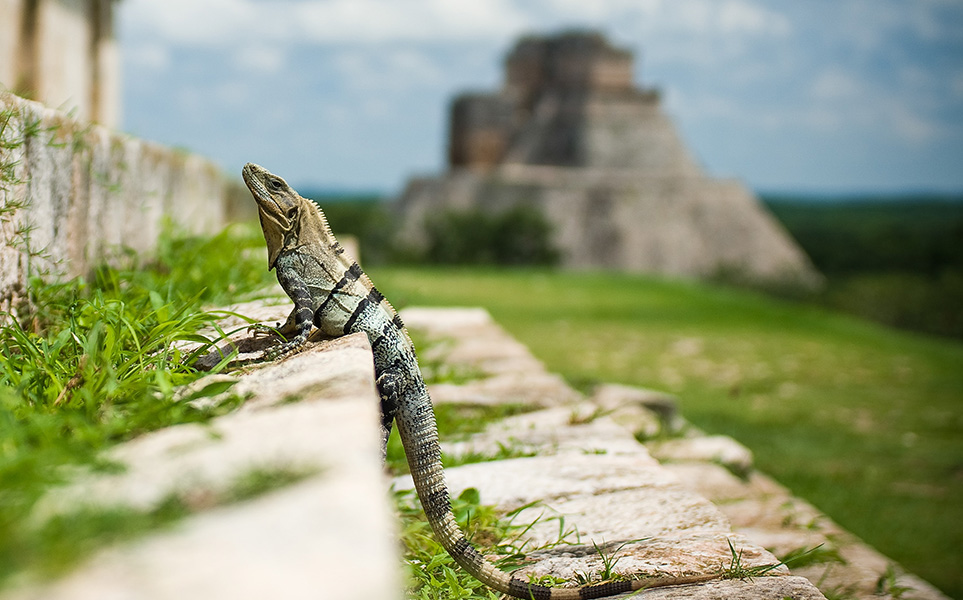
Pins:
x,y
331,292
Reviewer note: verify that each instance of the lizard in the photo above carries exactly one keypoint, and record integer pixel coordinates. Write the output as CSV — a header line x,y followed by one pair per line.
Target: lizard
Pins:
x,y
332,293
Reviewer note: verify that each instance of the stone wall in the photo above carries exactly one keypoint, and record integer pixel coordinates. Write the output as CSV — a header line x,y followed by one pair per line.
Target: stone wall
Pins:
x,y
62,53
480,126
72,193
612,219
568,61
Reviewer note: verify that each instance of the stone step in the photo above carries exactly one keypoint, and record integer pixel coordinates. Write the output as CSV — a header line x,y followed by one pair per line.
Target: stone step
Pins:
x,y
329,534
580,442
589,484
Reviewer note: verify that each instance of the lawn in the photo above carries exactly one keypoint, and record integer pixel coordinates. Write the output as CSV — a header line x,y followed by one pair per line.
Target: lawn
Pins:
x,y
863,421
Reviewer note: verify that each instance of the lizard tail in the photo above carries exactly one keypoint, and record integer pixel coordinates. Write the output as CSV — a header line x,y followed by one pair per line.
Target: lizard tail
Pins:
x,y
419,435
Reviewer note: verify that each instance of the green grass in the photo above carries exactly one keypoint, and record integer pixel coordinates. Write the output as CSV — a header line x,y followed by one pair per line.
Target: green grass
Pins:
x,y
862,420
94,362
431,572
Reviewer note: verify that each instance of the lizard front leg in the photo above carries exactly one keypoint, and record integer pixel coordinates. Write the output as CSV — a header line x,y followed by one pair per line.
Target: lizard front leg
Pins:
x,y
299,321
285,328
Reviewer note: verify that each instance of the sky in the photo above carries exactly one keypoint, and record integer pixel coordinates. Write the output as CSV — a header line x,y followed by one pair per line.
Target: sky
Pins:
x,y
815,96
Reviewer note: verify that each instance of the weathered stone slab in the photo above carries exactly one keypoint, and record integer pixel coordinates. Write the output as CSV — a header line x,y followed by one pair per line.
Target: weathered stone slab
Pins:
x,y
533,389
470,337
590,482
705,448
763,588
710,480
323,538
767,514
572,428
626,501
640,409
326,536
467,339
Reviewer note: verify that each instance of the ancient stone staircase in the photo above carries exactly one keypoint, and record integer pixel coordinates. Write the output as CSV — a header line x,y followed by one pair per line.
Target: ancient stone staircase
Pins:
x,y
682,497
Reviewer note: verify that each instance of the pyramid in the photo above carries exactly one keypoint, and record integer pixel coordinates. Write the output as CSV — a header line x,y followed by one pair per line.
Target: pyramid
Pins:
x,y
570,135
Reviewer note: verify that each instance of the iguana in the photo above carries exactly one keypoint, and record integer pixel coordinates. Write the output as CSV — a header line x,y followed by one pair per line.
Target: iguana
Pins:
x,y
331,292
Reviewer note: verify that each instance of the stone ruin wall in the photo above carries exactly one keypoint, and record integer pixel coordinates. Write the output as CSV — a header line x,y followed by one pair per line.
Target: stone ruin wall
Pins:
x,y
62,53
571,135
83,192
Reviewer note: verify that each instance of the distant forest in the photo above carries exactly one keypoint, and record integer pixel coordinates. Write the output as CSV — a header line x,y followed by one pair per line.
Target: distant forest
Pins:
x,y
895,260
920,234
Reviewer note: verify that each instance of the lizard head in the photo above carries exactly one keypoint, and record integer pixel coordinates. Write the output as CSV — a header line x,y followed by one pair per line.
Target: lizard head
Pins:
x,y
279,208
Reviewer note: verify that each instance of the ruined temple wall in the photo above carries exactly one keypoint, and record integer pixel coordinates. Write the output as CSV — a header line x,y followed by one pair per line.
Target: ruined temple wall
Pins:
x,y
631,131
575,61
479,130
607,168
9,40
79,193
62,53
690,227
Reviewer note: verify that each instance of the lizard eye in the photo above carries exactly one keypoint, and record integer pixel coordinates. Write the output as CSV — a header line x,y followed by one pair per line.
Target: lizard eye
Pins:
x,y
275,184
292,212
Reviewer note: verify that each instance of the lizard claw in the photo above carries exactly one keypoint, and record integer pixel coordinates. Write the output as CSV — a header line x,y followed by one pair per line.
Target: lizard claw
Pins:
x,y
285,349
258,329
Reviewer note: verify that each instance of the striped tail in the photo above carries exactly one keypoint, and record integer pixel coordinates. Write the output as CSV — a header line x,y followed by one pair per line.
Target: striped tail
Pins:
x,y
419,435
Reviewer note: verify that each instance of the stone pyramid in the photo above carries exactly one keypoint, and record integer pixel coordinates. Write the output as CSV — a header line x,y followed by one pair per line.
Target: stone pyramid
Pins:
x,y
571,135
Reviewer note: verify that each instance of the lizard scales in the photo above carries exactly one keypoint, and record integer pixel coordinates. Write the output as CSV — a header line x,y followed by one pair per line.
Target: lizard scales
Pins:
x,y
332,293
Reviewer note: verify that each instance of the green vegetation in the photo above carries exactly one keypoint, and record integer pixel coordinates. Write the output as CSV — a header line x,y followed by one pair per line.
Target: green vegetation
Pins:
x,y
897,261
909,234
90,363
517,236
862,420
432,573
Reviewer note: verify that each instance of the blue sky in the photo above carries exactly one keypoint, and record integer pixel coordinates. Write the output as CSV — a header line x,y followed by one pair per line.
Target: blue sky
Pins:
x,y
787,95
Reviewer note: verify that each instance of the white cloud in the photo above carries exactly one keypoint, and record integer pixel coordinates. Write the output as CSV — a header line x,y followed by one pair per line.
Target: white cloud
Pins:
x,y
834,84
841,99
908,124
211,22
727,18
214,22
775,69
260,58
379,21
381,71
596,12
150,56
738,16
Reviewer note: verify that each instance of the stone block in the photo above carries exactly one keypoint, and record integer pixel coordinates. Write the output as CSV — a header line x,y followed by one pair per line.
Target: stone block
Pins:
x,y
716,448
325,536
87,192
564,429
628,504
